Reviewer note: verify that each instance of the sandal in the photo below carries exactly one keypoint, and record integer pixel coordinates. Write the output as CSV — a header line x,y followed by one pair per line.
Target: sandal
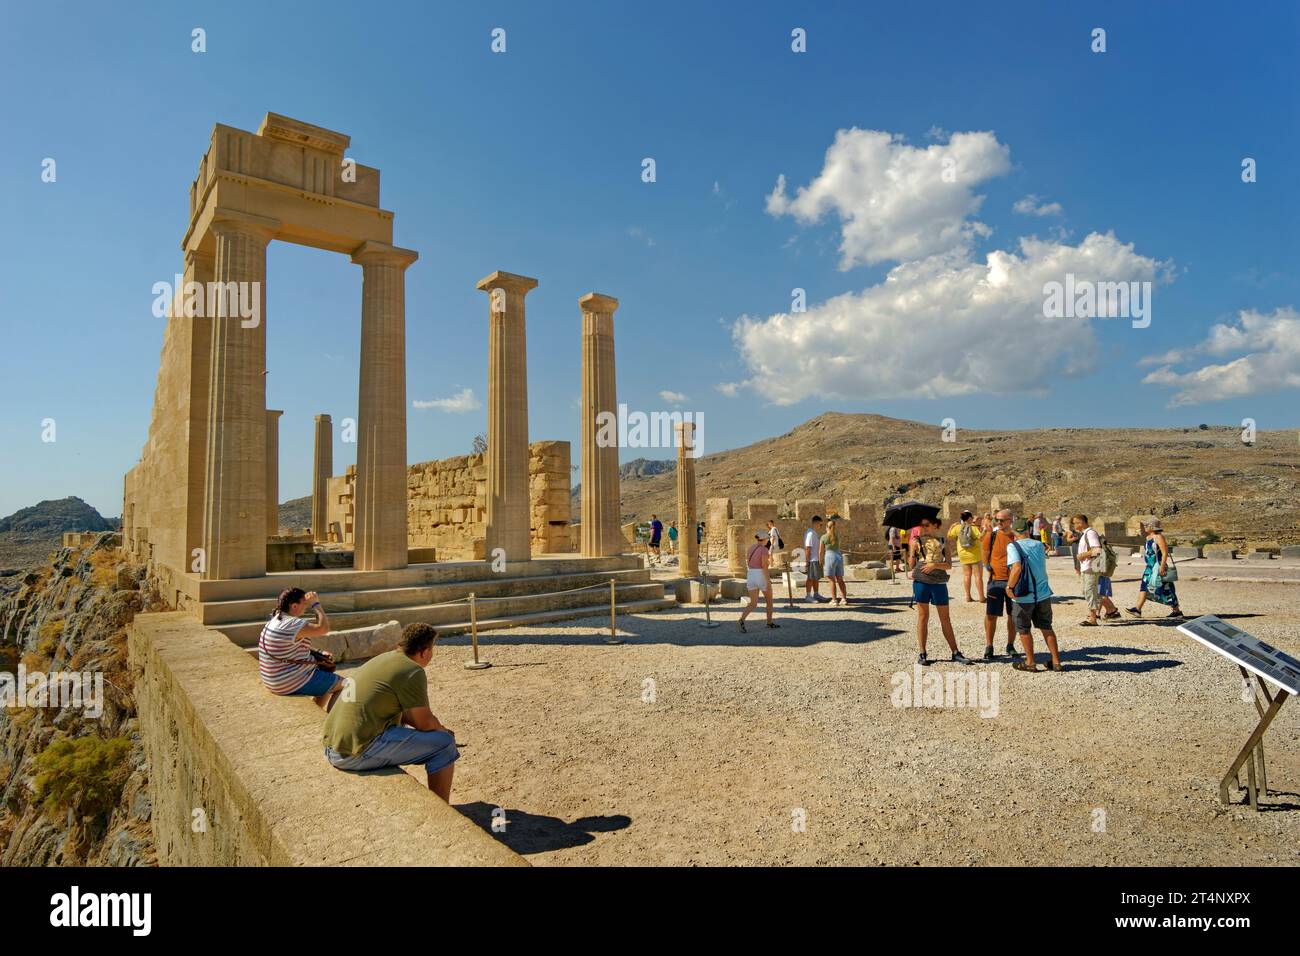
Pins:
x,y
1088,624
773,624
1056,667
742,628
1022,666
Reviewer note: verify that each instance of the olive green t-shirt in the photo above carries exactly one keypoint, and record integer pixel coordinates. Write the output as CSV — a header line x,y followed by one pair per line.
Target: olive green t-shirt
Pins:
x,y
383,687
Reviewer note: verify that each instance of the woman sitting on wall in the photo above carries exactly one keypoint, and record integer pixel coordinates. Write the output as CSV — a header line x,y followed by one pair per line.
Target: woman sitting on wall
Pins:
x,y
285,657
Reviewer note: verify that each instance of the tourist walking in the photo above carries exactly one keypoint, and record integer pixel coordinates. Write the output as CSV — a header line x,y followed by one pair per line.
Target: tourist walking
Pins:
x,y
386,721
1092,565
965,538
656,535
1058,532
285,658
928,558
757,579
774,542
812,549
672,537
833,561
894,538
1159,575
998,602
1027,583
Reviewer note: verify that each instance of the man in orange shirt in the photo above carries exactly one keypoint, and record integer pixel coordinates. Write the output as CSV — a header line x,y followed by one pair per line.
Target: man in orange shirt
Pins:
x,y
998,602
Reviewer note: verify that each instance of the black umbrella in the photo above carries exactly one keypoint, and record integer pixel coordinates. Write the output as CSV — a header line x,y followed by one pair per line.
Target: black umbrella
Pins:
x,y
908,514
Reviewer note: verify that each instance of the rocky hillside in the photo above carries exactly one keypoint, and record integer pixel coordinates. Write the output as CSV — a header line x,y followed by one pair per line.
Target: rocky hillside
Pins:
x,y
73,782
296,512
29,535
1195,479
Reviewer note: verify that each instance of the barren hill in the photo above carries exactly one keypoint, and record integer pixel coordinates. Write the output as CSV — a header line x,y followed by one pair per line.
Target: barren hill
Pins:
x,y
1194,479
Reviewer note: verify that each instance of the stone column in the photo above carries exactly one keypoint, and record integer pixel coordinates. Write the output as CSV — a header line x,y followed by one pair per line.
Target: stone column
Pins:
x,y
234,514
688,550
599,477
273,471
379,519
507,438
321,470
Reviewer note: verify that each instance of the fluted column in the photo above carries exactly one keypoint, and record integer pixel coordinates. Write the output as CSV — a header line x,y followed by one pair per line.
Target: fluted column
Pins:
x,y
322,467
234,515
273,471
507,437
688,548
379,517
599,478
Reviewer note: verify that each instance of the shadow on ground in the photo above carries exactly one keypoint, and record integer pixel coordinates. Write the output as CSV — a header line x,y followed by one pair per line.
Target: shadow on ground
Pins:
x,y
1099,659
528,833
680,626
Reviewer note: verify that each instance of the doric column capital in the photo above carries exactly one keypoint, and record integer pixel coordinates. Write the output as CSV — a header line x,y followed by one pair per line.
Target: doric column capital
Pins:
x,y
381,253
322,417
507,282
685,434
234,222
274,412
598,304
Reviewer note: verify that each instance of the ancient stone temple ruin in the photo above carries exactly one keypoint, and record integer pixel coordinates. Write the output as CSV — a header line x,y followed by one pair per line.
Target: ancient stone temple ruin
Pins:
x,y
202,502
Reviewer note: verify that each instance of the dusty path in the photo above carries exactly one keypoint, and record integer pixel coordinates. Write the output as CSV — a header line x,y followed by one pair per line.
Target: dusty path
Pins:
x,y
1115,761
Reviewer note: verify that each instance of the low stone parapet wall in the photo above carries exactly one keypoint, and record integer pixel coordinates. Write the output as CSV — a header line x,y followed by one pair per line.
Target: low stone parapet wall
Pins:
x,y
238,776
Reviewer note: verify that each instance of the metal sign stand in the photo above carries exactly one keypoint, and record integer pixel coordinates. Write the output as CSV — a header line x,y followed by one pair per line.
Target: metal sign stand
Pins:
x,y
1267,664
1253,753
475,664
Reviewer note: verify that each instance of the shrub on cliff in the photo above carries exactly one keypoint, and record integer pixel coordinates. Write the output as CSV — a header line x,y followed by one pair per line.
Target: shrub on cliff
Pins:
x,y
85,774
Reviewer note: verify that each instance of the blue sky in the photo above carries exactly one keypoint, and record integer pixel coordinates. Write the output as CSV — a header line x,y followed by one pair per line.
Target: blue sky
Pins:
x,y
530,161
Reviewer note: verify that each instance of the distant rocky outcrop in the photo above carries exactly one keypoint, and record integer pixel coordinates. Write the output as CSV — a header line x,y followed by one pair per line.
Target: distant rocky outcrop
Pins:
x,y
646,467
52,518
296,512
29,535
73,779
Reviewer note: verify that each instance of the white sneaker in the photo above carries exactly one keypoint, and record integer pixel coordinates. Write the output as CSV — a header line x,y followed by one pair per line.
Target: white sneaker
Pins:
x,y
810,599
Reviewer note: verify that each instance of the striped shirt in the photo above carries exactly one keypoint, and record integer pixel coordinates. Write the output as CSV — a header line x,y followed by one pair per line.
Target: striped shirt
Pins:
x,y
284,660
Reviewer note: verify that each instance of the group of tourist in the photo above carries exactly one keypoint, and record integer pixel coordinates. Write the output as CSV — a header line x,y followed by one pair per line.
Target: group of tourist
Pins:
x,y
657,536
824,559
1012,552
383,720
1018,587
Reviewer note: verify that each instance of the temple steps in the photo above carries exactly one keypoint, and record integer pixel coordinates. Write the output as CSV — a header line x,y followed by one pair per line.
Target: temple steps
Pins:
x,y
549,590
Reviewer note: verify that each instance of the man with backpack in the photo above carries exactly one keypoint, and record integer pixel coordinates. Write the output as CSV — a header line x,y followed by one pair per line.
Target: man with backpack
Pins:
x,y
998,601
1027,584
1097,561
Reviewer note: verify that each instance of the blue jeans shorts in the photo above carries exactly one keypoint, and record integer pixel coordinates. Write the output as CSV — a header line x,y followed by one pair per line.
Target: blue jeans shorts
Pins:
x,y
399,746
322,682
936,594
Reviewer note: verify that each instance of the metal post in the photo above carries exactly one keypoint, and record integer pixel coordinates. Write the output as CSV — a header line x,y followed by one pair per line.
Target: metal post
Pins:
x,y
789,590
613,628
708,620
475,664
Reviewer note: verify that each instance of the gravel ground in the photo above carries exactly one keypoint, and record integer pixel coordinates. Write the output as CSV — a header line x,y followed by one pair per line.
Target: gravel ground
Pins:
x,y
693,746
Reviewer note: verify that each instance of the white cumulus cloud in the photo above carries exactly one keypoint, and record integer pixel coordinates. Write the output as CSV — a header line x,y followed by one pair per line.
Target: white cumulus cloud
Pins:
x,y
462,401
939,327
897,202
1032,205
673,398
1267,350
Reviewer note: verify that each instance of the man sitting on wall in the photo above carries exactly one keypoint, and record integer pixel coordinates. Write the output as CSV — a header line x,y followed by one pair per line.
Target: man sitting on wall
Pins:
x,y
383,719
